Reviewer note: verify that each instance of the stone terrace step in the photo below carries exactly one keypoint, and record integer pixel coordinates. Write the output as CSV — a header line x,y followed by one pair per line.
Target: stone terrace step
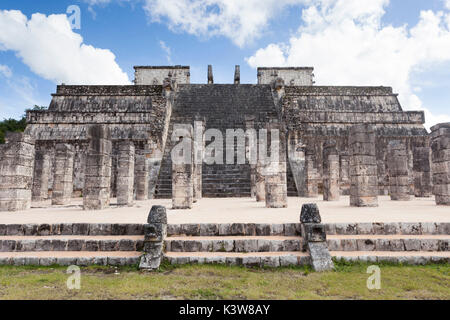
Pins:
x,y
70,243
234,229
233,244
67,258
388,242
254,259
420,257
92,229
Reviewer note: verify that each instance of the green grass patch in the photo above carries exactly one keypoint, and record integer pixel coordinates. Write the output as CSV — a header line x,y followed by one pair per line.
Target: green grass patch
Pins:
x,y
225,282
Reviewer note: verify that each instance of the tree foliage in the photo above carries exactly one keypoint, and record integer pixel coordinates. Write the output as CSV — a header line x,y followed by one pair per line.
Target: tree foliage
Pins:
x,y
14,125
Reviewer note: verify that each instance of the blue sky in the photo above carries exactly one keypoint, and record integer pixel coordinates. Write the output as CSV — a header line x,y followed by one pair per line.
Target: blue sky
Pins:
x,y
284,35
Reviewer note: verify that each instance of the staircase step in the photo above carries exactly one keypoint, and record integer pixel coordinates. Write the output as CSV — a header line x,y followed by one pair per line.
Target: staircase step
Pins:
x,y
67,258
254,259
419,257
70,243
388,243
233,244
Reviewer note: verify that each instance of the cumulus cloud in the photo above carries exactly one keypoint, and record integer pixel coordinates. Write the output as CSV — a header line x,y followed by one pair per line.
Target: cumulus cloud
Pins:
x,y
241,21
49,47
348,44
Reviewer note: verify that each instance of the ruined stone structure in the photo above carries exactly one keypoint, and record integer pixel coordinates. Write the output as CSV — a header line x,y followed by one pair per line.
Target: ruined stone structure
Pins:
x,y
144,114
397,163
363,166
440,146
422,171
16,172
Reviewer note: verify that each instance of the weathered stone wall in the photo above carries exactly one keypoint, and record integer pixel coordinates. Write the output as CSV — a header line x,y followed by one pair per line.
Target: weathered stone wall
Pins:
x,y
63,174
97,185
397,164
440,146
16,172
291,76
363,166
147,75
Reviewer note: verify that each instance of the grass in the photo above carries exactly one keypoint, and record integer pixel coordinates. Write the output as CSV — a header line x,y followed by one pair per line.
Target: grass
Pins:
x,y
223,282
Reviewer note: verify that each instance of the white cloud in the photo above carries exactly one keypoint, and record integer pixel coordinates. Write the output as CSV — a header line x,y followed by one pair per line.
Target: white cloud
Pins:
x,y
49,47
241,21
5,71
447,4
167,50
347,43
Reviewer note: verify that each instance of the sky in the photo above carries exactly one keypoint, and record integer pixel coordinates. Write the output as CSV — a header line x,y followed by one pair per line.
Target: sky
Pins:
x,y
404,44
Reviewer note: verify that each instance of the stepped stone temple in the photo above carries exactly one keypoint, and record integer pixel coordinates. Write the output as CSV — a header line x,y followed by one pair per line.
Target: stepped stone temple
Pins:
x,y
266,150
145,114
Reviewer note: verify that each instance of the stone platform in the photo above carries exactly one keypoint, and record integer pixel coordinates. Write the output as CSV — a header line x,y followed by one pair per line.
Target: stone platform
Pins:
x,y
234,210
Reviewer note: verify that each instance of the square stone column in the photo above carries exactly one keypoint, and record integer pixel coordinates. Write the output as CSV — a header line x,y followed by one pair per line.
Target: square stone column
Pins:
x,y
97,184
141,174
440,148
297,161
198,153
331,168
311,174
344,173
397,164
260,182
182,167
63,174
16,172
422,171
41,175
275,171
251,151
125,173
363,166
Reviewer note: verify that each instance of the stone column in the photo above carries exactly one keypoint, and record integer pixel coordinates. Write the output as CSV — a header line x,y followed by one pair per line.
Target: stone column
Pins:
x,y
141,174
331,190
422,172
275,171
182,169
63,174
155,232
363,166
251,151
97,183
312,189
198,153
397,164
344,175
260,183
297,161
41,175
440,147
125,173
16,172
